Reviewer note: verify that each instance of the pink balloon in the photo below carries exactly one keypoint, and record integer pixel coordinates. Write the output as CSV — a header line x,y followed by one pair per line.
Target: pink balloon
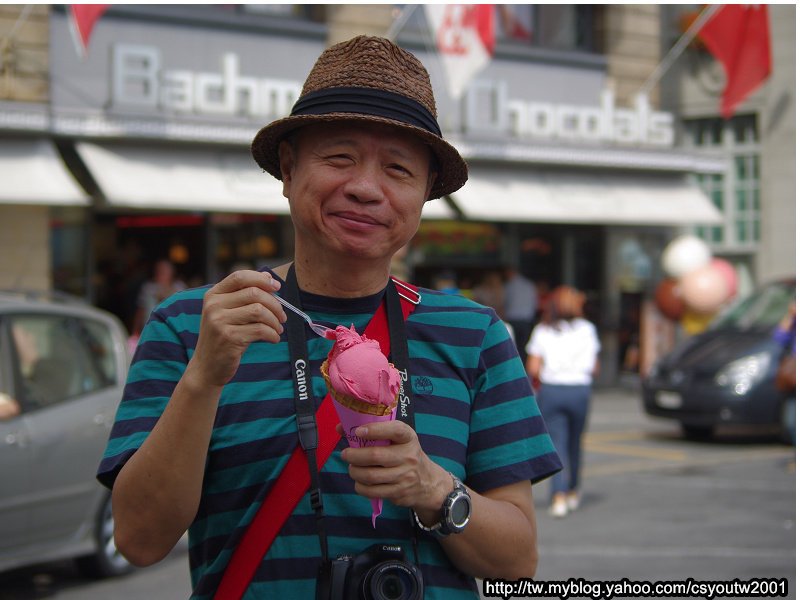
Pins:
x,y
728,272
704,290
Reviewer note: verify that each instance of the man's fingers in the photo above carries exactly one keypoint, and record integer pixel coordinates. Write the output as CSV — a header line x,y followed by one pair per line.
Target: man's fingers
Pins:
x,y
243,279
245,302
396,432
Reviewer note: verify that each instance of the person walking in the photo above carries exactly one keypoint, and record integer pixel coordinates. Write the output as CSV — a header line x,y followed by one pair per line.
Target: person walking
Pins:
x,y
161,286
521,301
562,355
209,417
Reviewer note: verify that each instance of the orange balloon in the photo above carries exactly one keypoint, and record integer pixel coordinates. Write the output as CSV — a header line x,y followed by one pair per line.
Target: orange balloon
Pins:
x,y
669,300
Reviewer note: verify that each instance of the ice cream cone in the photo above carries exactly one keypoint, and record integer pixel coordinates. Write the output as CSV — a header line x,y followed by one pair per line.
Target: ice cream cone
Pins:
x,y
354,413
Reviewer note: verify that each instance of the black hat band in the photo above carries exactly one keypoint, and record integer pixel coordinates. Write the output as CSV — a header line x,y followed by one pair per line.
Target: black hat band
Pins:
x,y
367,101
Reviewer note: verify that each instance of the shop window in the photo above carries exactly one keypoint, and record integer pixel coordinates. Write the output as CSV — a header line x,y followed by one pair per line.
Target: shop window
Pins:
x,y
736,191
245,242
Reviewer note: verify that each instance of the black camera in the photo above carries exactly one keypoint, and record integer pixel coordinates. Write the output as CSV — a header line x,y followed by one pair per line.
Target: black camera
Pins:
x,y
380,572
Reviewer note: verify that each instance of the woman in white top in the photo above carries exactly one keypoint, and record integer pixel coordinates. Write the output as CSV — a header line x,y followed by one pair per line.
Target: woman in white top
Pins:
x,y
562,355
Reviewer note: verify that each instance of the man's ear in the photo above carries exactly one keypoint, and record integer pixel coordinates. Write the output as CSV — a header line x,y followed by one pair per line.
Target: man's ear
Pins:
x,y
286,163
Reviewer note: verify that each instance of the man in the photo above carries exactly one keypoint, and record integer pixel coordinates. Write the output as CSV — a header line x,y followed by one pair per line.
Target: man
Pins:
x,y
208,421
520,307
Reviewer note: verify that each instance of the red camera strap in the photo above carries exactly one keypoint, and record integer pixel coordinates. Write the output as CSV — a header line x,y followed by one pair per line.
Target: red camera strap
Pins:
x,y
294,480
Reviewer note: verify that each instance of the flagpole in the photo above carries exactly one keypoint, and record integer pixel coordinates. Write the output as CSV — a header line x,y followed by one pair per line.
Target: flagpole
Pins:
x,y
678,48
400,21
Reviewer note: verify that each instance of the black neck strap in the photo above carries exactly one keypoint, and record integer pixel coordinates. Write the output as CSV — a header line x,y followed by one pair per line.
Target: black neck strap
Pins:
x,y
304,400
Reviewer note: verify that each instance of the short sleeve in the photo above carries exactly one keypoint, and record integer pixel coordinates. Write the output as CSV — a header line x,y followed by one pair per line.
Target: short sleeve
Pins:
x,y
158,363
509,441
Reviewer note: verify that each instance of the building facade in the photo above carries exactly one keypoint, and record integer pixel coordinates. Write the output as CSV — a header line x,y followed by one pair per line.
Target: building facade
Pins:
x,y
142,153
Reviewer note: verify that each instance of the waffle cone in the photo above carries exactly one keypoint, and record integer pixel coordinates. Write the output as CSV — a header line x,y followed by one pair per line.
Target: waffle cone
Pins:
x,y
354,404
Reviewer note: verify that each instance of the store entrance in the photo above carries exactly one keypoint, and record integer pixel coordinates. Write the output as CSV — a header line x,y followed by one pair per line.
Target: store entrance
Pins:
x,y
126,248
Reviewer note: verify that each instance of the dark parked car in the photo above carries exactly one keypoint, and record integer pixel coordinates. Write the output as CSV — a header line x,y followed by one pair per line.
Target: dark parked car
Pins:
x,y
726,374
62,369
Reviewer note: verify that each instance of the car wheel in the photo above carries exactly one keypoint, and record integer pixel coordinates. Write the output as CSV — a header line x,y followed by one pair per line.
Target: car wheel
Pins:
x,y
698,433
107,560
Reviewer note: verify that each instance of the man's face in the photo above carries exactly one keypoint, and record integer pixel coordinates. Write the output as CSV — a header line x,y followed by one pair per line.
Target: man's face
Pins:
x,y
355,189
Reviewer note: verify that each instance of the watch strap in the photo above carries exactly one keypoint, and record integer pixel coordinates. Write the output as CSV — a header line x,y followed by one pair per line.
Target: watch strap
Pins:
x,y
440,529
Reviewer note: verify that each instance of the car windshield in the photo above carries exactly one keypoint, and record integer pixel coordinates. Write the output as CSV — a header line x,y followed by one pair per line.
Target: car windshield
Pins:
x,y
761,310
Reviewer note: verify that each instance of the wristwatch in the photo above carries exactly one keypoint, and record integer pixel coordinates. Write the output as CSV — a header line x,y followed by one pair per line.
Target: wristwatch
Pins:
x,y
456,511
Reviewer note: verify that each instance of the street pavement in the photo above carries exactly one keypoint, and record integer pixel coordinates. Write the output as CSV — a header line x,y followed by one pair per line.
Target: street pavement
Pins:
x,y
656,507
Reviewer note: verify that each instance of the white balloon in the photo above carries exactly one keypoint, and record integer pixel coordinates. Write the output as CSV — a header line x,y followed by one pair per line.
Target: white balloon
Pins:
x,y
684,254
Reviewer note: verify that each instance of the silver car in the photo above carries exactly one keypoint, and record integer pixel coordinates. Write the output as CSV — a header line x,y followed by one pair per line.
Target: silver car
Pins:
x,y
62,369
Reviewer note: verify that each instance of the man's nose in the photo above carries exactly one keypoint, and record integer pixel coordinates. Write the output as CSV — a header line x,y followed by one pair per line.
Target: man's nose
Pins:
x,y
364,184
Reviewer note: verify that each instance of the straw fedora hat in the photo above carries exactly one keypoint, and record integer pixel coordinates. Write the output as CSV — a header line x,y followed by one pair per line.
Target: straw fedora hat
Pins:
x,y
367,79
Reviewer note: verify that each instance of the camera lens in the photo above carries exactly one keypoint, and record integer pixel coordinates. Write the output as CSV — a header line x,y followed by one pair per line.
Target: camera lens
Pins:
x,y
392,580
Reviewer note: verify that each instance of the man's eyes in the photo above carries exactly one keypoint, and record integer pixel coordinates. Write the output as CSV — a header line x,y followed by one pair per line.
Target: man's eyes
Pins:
x,y
400,168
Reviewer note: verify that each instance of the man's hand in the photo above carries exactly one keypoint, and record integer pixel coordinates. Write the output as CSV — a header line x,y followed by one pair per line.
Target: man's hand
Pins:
x,y
237,311
401,472
500,540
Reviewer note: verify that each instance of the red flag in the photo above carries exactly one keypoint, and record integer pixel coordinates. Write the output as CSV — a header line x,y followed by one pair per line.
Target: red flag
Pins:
x,y
82,20
465,38
738,37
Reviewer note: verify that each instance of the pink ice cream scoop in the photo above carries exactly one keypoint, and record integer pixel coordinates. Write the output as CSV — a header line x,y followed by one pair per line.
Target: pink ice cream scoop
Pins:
x,y
357,368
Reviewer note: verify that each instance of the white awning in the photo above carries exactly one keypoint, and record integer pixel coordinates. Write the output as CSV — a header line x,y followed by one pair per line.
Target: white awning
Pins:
x,y
505,194
201,179
32,172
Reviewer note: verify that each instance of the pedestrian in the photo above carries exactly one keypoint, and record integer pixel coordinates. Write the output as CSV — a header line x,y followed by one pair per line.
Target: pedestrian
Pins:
x,y
491,292
521,301
563,356
161,286
208,419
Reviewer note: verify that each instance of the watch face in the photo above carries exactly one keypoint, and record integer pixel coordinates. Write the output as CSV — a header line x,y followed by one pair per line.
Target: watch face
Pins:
x,y
460,511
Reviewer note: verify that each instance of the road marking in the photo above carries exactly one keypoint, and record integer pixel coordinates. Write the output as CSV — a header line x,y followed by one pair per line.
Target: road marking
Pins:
x,y
716,459
637,451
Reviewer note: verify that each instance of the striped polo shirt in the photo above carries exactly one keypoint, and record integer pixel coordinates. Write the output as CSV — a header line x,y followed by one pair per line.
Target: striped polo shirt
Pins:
x,y
474,410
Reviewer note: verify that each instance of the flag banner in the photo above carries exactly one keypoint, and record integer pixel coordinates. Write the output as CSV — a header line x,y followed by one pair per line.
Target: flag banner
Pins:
x,y
737,35
82,18
464,35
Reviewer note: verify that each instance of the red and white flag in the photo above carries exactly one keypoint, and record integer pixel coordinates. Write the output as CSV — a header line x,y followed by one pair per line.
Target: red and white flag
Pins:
x,y
82,18
464,35
738,37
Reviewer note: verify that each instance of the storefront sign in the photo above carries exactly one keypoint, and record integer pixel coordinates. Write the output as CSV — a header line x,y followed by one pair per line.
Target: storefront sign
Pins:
x,y
140,81
489,110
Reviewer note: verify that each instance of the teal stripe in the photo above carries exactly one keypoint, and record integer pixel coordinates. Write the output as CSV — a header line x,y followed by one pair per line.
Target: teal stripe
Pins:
x,y
218,524
443,427
508,454
147,369
504,372
158,331
467,320
487,418
458,356
235,434
119,445
244,475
